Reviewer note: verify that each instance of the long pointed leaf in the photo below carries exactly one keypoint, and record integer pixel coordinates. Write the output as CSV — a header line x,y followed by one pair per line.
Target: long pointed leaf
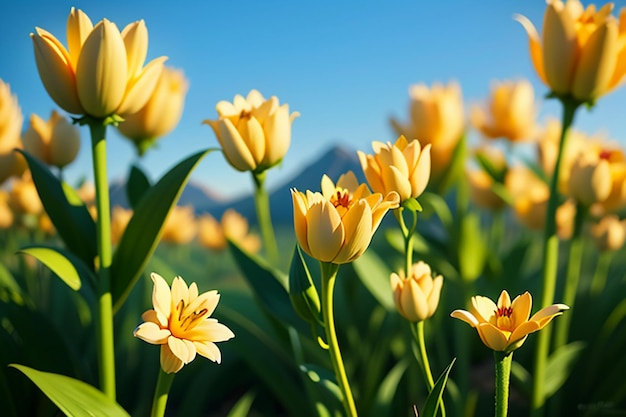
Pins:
x,y
144,228
66,210
374,274
73,397
432,402
67,266
559,366
136,186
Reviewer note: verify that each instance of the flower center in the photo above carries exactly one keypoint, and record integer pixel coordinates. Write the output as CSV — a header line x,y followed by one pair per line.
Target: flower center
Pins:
x,y
606,154
183,321
341,198
503,318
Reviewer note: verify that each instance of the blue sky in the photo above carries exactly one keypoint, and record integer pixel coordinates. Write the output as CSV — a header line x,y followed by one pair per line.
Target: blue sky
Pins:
x,y
345,66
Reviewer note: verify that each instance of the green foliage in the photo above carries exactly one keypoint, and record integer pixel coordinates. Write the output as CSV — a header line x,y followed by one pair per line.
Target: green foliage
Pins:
x,y
144,228
73,397
374,275
434,397
69,268
302,292
136,186
559,366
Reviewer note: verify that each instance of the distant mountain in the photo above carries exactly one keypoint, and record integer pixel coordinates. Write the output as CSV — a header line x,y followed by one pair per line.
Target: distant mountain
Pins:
x,y
334,162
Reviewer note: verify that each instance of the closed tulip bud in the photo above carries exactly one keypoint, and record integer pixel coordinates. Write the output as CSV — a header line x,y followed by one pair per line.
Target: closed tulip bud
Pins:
x,y
580,53
436,118
254,133
403,167
337,225
416,296
510,114
161,113
609,233
180,225
11,163
55,142
102,71
589,180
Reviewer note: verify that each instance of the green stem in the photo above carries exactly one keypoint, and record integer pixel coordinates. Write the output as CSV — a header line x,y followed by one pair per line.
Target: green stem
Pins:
x,y
598,281
425,363
106,353
550,262
572,277
262,202
329,275
161,392
407,234
503,374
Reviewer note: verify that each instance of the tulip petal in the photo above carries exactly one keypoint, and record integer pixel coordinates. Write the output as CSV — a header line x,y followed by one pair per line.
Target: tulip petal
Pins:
x,y
536,52
299,219
325,234
277,135
357,223
559,48
521,307
597,63
234,147
483,308
139,89
492,337
466,316
135,37
546,314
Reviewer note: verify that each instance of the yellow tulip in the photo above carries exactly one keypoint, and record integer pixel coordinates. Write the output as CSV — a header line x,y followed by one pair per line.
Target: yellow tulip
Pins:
x,y
213,234
6,214
180,225
337,224
417,296
254,133
55,142
11,163
609,233
582,52
402,167
504,326
24,196
590,179
102,71
161,113
181,323
511,112
436,118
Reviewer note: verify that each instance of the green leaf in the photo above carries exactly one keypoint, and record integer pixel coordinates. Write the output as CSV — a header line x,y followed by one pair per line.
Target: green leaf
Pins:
x,y
136,186
432,401
521,378
66,210
144,228
68,267
434,203
412,204
327,388
302,292
269,286
242,406
497,174
471,247
455,168
388,388
73,397
9,288
559,366
374,274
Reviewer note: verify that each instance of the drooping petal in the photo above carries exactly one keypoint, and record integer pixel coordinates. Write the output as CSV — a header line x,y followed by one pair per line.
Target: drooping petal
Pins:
x,y
161,299
170,362
150,332
183,349
546,314
466,316
536,51
209,350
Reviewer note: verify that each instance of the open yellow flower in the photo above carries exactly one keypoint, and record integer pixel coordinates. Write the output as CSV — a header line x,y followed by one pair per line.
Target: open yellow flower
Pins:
x,y
337,224
504,326
416,296
403,167
11,163
582,51
180,322
254,133
510,114
161,113
102,71
180,225
55,142
213,234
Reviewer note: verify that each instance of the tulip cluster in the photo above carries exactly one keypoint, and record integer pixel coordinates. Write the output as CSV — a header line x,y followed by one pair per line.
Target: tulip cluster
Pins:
x,y
55,142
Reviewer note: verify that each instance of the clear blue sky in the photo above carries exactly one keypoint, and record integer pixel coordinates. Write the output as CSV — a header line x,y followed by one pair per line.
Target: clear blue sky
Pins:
x,y
345,66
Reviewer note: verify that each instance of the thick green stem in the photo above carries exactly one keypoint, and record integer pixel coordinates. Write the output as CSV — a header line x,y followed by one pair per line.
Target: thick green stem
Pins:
x,y
106,352
550,263
407,234
572,278
161,392
262,202
428,375
503,374
598,281
329,275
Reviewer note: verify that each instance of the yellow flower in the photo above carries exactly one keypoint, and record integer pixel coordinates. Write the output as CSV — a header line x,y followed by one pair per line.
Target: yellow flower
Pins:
x,y
436,118
402,167
180,322
213,234
337,224
55,142
511,112
24,196
161,113
6,214
102,72
609,233
180,225
590,179
417,296
254,133
119,220
582,52
481,190
11,163
504,326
